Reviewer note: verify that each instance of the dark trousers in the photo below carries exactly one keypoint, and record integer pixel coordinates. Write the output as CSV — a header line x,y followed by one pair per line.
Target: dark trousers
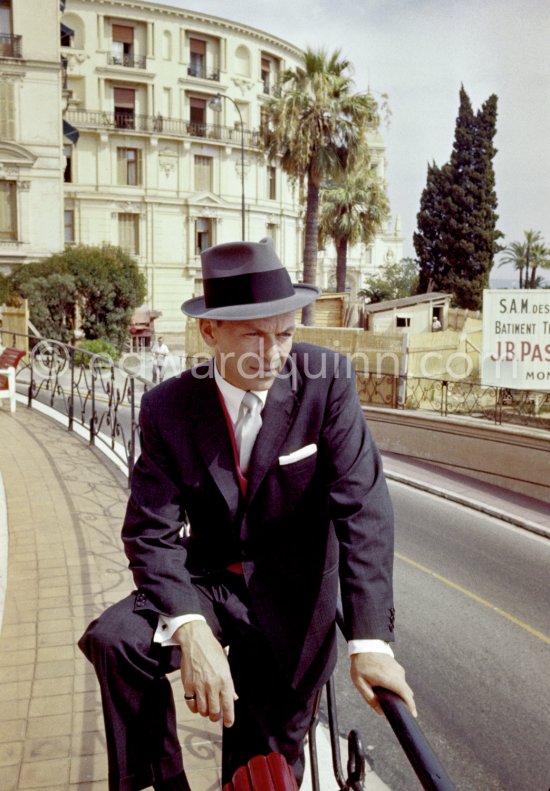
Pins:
x,y
158,373
138,706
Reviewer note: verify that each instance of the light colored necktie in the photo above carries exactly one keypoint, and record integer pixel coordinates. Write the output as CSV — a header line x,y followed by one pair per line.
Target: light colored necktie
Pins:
x,y
247,428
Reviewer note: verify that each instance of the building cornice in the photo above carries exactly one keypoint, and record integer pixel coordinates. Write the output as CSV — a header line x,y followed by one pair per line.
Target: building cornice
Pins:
x,y
21,65
196,17
14,155
119,74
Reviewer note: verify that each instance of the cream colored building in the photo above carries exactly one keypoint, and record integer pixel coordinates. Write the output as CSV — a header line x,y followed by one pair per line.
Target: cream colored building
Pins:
x,y
157,169
31,185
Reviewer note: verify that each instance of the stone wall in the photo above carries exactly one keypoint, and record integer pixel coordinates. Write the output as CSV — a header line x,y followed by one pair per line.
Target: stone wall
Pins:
x,y
516,458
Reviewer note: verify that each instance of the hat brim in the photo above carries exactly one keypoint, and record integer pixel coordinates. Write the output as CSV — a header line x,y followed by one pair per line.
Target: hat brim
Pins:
x,y
304,295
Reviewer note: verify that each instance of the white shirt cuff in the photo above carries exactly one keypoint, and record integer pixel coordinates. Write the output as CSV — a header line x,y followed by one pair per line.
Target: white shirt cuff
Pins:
x,y
366,646
166,627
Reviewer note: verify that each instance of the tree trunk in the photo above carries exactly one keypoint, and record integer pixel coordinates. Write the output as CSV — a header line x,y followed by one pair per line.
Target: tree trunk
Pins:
x,y
311,243
341,264
527,278
521,278
533,283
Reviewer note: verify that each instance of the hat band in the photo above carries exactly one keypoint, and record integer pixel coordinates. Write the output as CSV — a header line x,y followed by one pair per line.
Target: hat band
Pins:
x,y
248,289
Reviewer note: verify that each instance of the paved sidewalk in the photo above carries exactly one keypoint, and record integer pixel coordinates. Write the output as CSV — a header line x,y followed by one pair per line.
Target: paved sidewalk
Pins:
x,y
65,510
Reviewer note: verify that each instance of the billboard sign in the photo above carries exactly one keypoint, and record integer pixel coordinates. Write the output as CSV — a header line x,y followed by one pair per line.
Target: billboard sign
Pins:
x,y
516,338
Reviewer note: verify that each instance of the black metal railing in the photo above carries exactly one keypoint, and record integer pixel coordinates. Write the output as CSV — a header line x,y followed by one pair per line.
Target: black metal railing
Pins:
x,y
90,390
446,397
449,397
271,89
429,770
128,61
11,46
159,124
202,73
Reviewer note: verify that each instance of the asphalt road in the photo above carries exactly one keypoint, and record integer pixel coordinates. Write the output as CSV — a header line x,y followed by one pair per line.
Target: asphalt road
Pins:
x,y
475,641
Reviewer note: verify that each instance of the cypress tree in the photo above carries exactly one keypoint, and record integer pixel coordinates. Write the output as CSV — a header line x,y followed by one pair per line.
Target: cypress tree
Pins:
x,y
457,236
431,242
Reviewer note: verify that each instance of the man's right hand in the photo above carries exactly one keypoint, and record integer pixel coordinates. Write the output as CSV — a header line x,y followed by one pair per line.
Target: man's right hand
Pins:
x,y
205,674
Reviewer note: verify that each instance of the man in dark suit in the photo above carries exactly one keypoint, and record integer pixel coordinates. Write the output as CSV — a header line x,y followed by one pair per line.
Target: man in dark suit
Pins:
x,y
258,494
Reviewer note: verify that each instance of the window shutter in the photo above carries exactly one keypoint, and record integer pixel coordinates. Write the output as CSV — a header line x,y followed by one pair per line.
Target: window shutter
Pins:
x,y
8,210
203,174
197,46
7,111
121,166
123,34
125,98
69,225
128,232
139,175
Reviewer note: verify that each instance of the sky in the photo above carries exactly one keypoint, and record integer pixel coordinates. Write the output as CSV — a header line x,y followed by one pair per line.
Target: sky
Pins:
x,y
419,52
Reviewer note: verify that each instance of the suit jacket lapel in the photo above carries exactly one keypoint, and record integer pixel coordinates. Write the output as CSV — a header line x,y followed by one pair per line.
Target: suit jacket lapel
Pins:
x,y
276,419
212,439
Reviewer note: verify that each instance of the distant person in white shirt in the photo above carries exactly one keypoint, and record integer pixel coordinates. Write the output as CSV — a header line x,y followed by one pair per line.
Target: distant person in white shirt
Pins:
x,y
436,324
160,352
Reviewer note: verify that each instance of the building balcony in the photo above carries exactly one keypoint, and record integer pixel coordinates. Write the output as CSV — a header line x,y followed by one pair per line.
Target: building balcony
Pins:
x,y
271,89
158,124
128,61
10,242
10,46
202,73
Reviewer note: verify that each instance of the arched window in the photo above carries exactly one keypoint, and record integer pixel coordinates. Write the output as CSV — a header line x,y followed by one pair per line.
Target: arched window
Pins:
x,y
75,23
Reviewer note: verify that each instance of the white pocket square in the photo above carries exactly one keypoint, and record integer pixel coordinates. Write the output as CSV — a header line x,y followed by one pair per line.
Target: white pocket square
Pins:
x,y
298,455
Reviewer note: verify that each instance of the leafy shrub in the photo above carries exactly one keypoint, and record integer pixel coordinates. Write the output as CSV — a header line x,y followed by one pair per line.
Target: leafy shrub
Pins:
x,y
103,282
98,346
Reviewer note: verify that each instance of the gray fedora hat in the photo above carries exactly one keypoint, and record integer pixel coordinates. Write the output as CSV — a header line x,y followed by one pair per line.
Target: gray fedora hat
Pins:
x,y
246,280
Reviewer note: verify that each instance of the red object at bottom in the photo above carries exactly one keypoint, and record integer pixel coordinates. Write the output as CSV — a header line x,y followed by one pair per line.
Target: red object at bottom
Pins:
x,y
236,568
263,773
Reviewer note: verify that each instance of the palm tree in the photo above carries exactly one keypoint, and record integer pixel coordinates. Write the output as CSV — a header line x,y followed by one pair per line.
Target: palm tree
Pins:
x,y
316,127
540,257
350,213
532,240
527,257
514,254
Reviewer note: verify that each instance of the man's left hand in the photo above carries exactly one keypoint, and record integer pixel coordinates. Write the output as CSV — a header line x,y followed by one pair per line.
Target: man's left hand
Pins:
x,y
371,669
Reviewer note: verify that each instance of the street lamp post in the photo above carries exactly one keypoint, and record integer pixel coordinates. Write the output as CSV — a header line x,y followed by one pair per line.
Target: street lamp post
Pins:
x,y
216,104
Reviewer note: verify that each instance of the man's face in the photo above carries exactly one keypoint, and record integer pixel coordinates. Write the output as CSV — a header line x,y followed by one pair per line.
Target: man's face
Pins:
x,y
249,354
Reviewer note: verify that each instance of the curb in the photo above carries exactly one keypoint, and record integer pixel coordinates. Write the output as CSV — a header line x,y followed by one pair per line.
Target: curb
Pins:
x,y
475,505
3,548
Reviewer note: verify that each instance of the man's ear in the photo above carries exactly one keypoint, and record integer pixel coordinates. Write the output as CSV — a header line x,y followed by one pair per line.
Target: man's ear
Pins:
x,y
206,326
